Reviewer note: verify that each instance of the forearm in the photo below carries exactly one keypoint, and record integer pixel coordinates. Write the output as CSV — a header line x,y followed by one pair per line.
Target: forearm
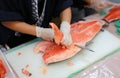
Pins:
x,y
20,27
66,15
65,27
88,1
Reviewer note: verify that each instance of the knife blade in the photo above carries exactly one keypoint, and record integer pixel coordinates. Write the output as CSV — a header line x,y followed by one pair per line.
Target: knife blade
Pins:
x,y
83,47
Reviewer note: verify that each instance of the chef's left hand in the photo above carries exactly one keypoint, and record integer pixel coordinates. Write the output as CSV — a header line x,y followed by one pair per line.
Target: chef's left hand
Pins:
x,y
65,28
99,5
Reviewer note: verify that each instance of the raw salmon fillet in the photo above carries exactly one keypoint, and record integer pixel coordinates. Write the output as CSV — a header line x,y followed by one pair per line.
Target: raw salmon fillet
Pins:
x,y
57,37
113,14
81,32
2,69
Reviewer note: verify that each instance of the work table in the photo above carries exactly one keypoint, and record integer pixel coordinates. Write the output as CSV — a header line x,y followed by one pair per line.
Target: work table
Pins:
x,y
23,55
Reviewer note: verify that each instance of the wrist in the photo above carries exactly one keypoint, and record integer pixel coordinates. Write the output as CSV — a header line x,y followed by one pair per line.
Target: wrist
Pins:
x,y
38,31
88,1
65,26
93,3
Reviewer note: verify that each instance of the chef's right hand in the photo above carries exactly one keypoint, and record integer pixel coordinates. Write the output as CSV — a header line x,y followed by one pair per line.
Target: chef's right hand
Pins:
x,y
45,33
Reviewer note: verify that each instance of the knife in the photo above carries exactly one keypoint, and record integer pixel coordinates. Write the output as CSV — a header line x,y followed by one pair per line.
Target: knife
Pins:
x,y
83,47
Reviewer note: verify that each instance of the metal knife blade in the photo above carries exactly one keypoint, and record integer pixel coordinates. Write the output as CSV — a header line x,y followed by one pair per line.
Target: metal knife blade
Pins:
x,y
83,47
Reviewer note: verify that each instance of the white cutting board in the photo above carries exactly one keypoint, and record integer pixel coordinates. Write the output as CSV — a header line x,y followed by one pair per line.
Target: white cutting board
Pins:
x,y
103,44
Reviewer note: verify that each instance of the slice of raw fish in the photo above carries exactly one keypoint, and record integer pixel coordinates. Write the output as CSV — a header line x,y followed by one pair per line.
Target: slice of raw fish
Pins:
x,y
3,70
58,53
58,35
43,46
81,34
113,14
86,31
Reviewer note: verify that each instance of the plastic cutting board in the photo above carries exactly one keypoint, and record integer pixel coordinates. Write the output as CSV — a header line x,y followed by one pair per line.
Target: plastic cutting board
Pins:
x,y
104,44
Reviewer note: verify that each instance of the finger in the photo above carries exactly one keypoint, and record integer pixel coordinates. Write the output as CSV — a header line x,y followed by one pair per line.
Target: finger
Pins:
x,y
64,42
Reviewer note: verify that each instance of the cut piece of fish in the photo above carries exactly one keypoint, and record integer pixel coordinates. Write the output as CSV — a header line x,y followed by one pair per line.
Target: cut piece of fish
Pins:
x,y
81,32
113,14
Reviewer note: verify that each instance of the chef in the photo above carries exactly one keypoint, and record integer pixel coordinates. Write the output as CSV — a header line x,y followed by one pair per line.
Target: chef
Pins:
x,y
23,20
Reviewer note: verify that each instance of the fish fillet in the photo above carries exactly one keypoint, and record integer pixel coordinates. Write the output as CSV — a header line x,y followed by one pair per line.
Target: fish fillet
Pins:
x,y
57,37
2,69
81,32
113,14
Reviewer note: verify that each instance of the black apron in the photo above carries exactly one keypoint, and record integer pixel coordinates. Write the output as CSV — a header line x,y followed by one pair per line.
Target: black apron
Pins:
x,y
21,10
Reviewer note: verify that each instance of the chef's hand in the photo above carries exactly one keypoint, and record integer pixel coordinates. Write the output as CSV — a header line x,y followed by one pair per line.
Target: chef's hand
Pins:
x,y
45,33
99,5
65,28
